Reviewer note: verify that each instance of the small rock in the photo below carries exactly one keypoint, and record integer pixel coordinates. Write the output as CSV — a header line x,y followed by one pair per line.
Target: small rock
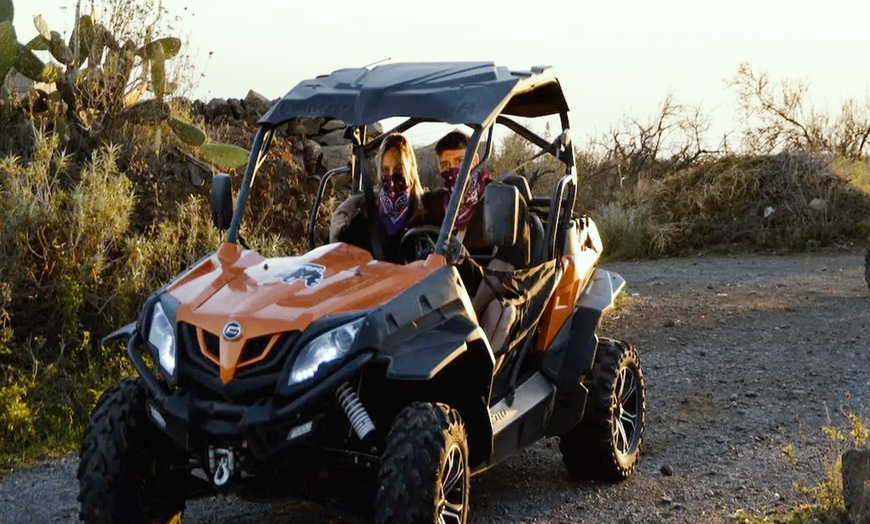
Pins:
x,y
670,322
333,138
332,125
666,499
818,204
856,484
667,470
751,394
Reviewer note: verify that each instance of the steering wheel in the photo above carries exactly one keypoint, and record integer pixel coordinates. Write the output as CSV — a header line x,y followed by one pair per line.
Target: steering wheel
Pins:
x,y
423,239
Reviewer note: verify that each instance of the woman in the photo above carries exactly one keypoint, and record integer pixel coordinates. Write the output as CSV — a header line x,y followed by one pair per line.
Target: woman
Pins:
x,y
399,202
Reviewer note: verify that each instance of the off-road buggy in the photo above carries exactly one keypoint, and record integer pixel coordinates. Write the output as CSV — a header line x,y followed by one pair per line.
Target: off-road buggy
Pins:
x,y
334,376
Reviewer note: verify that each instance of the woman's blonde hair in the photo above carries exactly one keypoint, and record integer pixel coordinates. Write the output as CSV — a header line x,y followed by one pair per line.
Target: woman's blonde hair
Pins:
x,y
398,143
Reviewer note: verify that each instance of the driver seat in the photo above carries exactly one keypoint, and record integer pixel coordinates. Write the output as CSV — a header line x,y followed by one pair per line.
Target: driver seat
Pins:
x,y
537,247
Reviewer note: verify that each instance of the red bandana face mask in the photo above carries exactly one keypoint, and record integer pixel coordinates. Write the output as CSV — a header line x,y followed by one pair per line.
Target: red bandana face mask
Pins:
x,y
473,194
393,203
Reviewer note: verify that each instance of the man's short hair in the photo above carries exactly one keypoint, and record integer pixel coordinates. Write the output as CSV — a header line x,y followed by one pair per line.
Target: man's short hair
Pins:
x,y
452,140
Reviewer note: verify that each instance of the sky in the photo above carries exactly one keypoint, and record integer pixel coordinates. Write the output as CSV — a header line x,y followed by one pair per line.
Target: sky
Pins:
x,y
613,58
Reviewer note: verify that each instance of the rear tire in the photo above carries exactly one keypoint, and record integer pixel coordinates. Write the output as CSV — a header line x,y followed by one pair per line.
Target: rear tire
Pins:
x,y
124,473
606,444
424,475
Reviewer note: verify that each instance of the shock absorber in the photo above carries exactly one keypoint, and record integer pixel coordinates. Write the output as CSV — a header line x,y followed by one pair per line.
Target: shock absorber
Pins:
x,y
356,413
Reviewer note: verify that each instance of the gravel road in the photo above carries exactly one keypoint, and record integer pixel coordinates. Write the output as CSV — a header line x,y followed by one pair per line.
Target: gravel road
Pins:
x,y
743,356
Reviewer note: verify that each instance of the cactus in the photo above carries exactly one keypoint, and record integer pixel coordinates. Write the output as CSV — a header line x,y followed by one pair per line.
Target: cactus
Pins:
x,y
7,48
28,64
169,46
148,112
81,41
86,103
187,133
223,156
158,72
37,44
42,27
7,11
59,49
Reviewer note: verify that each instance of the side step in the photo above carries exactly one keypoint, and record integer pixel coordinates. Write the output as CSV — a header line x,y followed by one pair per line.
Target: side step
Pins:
x,y
521,422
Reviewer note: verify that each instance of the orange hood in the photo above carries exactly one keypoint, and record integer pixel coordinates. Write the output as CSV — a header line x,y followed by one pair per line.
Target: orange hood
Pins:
x,y
275,295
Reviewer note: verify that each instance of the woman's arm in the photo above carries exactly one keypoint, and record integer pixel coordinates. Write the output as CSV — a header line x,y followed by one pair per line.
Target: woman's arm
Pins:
x,y
343,215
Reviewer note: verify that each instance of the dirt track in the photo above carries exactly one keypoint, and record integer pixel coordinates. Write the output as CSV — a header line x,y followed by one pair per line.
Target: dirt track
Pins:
x,y
743,355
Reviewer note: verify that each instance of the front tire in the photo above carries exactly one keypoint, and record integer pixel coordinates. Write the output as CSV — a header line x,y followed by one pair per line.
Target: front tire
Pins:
x,y
606,444
124,463
424,475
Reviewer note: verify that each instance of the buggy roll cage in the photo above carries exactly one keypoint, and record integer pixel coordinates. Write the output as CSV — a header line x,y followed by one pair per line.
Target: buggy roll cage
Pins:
x,y
478,95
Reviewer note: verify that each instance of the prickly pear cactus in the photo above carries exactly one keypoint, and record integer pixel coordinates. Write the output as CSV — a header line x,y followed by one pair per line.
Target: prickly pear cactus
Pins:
x,y
169,46
151,111
59,49
223,156
29,65
7,11
7,48
187,133
158,72
37,44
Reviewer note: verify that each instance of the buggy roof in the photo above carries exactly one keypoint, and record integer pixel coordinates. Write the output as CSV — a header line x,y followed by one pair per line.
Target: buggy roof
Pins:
x,y
472,93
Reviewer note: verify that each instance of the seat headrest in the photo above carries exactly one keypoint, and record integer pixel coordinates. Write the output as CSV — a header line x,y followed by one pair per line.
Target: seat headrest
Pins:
x,y
518,182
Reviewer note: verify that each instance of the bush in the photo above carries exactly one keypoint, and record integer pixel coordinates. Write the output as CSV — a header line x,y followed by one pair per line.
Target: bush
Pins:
x,y
61,243
785,201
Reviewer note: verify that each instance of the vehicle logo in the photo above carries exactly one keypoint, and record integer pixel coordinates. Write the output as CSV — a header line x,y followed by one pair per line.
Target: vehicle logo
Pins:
x,y
311,274
232,331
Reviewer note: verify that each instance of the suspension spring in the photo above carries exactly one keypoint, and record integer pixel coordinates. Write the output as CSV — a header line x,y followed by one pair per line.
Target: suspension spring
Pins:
x,y
356,413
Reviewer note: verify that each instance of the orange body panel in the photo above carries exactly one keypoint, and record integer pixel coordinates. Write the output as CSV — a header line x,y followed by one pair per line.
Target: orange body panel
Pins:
x,y
576,270
269,296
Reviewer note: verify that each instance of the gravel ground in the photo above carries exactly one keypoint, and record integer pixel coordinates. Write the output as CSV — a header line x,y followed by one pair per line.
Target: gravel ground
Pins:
x,y
742,356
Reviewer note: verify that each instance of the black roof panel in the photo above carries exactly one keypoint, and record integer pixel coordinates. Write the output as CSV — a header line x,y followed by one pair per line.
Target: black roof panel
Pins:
x,y
454,92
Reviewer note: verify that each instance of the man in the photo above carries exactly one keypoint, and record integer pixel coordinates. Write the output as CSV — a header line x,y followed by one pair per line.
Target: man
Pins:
x,y
496,316
450,151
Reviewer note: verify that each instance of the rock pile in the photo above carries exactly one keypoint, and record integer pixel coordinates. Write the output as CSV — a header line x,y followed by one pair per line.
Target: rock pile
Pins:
x,y
318,144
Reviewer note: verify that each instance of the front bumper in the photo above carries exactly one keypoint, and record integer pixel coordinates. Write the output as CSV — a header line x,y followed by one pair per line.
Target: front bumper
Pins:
x,y
265,425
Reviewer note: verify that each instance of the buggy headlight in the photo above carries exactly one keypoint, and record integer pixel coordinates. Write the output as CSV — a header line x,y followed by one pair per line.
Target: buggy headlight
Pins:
x,y
162,337
328,347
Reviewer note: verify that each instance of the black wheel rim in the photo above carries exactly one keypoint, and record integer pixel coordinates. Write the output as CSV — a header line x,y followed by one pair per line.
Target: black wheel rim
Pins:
x,y
452,505
627,415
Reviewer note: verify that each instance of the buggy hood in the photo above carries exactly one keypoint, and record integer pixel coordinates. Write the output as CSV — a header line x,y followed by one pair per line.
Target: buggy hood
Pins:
x,y
268,296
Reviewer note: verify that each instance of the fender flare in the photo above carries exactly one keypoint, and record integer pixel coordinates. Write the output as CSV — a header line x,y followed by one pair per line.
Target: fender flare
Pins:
x,y
572,354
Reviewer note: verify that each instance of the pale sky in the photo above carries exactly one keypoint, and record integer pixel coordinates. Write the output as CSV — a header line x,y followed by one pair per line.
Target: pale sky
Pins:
x,y
613,57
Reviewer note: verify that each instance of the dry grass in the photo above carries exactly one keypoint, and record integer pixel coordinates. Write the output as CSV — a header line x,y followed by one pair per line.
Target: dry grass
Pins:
x,y
759,202
821,503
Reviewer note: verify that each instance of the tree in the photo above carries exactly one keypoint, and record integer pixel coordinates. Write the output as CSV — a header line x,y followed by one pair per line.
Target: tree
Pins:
x,y
779,116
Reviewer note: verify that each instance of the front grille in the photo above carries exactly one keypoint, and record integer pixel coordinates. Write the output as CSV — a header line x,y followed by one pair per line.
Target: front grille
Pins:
x,y
212,345
255,348
265,353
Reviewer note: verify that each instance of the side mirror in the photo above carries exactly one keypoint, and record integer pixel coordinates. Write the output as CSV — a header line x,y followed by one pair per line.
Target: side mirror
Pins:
x,y
501,214
221,201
